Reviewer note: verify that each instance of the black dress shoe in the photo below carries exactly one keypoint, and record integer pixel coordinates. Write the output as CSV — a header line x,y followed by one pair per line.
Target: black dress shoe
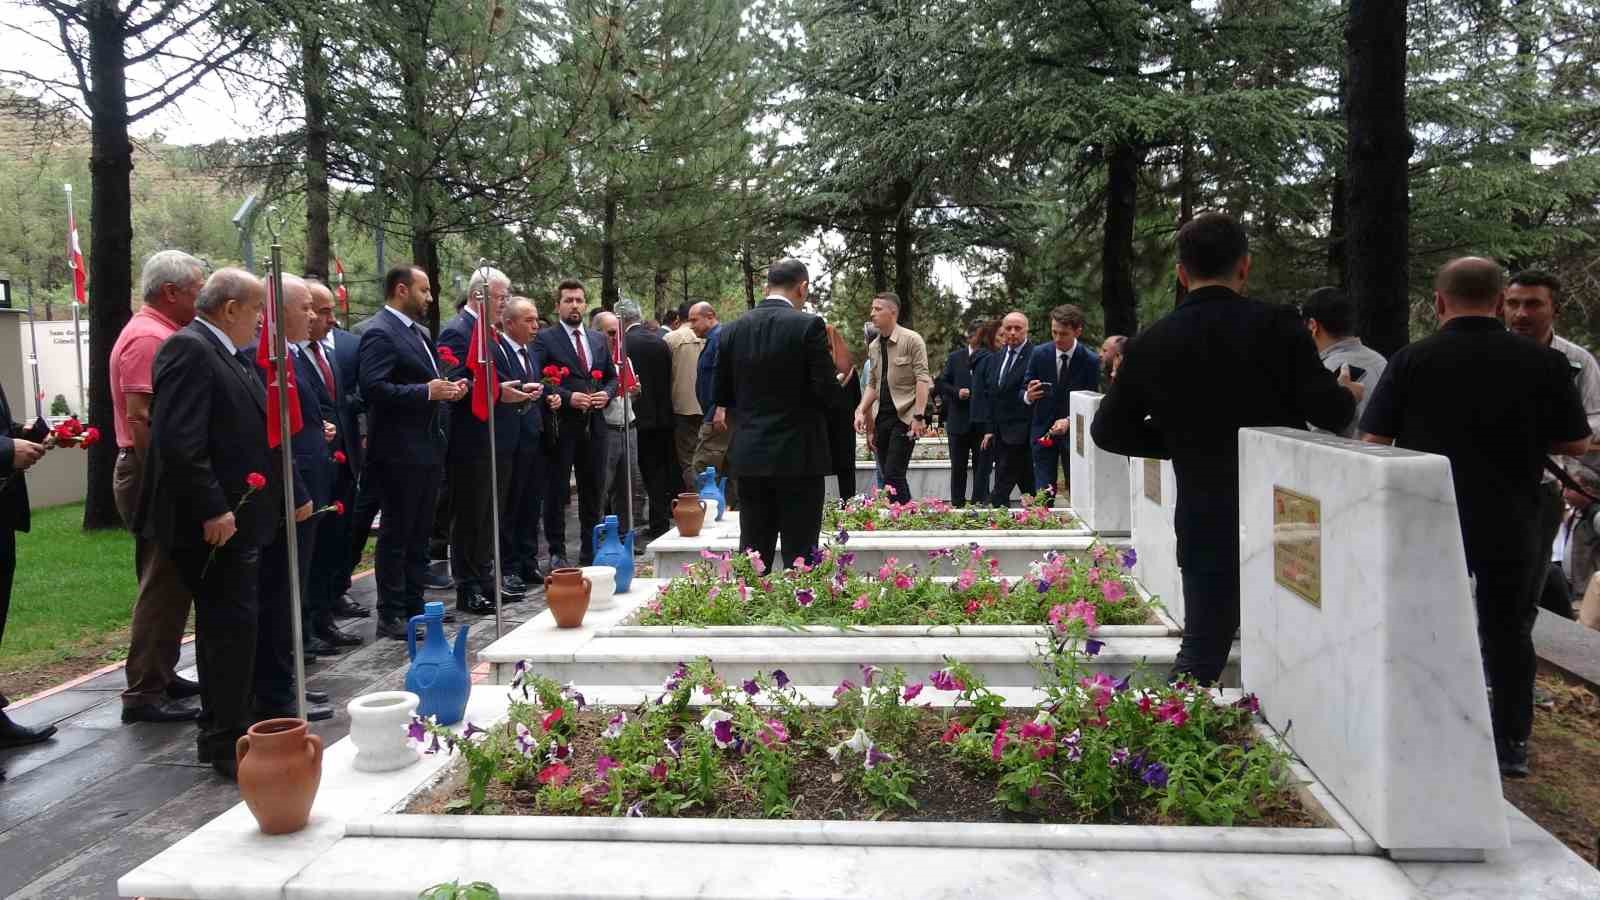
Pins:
x,y
559,562
533,576
182,688
316,646
316,696
14,735
434,582
513,586
331,634
349,609
393,629
160,712
474,603
1513,758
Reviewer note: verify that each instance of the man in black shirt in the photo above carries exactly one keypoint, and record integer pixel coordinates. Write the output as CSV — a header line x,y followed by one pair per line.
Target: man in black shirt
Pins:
x,y
1166,403
1495,404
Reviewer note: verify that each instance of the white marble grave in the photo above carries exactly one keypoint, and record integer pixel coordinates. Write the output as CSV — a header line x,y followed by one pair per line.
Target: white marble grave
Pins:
x,y
1099,478
1358,627
1153,503
927,478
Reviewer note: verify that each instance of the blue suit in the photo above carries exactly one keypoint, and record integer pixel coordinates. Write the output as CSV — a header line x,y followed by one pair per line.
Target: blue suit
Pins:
x,y
1008,423
405,454
1081,373
519,530
964,434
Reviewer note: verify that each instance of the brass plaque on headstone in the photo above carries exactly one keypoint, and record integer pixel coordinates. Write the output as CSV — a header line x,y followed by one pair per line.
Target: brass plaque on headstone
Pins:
x,y
1077,426
1297,544
1152,480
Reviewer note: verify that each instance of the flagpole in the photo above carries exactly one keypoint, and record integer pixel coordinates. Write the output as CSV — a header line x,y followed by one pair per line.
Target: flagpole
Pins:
x,y
627,421
33,356
77,319
280,353
485,330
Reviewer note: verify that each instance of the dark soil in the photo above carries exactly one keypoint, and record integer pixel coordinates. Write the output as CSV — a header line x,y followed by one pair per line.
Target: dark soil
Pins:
x,y
1563,793
948,791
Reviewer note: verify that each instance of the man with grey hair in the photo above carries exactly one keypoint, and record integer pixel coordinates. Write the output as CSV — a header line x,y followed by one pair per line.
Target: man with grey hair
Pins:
x,y
519,526
171,281
622,451
652,408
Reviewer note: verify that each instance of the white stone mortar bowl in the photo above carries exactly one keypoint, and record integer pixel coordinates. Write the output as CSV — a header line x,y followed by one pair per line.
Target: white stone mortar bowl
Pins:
x,y
602,586
378,729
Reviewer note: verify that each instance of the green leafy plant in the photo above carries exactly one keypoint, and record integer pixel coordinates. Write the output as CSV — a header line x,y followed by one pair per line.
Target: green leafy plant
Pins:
x,y
455,890
877,511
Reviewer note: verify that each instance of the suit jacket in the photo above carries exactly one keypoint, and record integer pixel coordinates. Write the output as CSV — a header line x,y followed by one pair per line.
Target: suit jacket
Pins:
x,y
957,374
313,455
1187,384
351,409
395,365
981,410
775,376
652,362
14,513
555,348
208,434
1009,417
529,419
1081,373
469,436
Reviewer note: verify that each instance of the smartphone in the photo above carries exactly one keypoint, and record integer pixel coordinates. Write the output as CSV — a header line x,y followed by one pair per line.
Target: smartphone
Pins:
x,y
1357,373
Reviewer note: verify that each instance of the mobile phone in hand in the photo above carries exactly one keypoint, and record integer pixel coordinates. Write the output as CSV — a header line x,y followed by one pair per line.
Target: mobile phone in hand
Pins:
x,y
1357,373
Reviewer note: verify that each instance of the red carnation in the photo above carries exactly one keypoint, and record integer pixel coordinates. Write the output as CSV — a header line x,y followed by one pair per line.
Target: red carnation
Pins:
x,y
448,356
255,481
339,457
596,375
338,507
565,371
91,436
1046,441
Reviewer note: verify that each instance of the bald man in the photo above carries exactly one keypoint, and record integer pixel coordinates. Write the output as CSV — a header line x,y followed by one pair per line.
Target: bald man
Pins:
x,y
1495,404
1010,415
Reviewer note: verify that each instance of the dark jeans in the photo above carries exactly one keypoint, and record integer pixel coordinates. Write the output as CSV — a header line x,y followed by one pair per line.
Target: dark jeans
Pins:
x,y
227,618
1012,469
578,451
895,444
791,507
1507,608
1211,616
964,448
519,528
409,494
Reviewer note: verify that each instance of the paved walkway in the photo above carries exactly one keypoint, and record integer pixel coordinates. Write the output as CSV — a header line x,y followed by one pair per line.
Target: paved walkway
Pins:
x,y
78,811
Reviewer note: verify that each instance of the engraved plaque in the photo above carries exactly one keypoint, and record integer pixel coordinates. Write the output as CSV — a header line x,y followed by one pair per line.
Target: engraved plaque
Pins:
x,y
1077,426
1152,480
1297,544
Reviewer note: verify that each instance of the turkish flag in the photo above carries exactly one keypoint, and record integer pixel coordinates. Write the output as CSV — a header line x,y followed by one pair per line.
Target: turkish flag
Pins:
x,y
626,380
480,362
269,328
80,277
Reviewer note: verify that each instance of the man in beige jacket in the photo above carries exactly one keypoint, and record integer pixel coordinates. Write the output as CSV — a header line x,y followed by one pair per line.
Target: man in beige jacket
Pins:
x,y
899,375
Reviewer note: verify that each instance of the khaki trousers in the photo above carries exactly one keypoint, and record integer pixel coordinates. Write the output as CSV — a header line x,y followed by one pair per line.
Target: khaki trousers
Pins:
x,y
685,437
162,607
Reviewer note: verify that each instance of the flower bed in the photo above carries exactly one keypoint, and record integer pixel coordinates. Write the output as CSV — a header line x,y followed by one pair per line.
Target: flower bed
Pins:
x,y
733,589
877,512
1094,750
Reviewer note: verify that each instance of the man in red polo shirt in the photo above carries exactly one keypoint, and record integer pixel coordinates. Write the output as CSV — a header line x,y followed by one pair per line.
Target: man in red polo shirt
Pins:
x,y
171,281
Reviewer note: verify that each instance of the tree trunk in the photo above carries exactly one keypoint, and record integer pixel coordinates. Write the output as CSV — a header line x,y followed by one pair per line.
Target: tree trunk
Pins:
x,y
1376,177
425,254
315,71
608,254
1185,188
880,256
1338,214
663,284
905,267
749,277
1117,297
110,242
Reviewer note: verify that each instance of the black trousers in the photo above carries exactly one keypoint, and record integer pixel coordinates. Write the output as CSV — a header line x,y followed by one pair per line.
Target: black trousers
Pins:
x,y
8,573
1557,594
1507,602
227,619
1013,468
473,500
368,502
1552,590
579,452
964,448
330,557
274,674
519,527
842,448
895,444
408,494
659,469
790,507
1211,617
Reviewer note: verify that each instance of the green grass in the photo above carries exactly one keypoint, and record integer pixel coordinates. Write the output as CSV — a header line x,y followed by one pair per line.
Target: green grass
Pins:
x,y
73,591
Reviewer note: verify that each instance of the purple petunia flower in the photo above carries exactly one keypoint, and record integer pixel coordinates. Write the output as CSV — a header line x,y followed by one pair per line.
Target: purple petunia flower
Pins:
x,y
805,596
845,687
750,687
434,747
1044,586
1155,775
471,730
1092,647
847,559
603,765
675,747
1119,757
867,674
842,537
943,680
780,678
911,692
1250,702
1130,557
636,811
417,730
875,756
722,732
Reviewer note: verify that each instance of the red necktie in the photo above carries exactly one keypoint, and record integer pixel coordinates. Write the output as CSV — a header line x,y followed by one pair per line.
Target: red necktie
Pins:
x,y
583,352
322,365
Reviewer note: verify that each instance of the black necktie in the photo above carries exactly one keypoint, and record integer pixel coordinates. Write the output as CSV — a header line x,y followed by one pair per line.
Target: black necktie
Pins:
x,y
527,367
1006,365
417,330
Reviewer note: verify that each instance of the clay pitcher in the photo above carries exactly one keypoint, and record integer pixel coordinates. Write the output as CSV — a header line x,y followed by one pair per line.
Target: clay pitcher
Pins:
x,y
566,592
280,768
689,514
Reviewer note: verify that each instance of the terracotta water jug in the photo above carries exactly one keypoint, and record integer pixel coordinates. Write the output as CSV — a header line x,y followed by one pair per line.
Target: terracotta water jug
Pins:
x,y
689,514
280,768
566,592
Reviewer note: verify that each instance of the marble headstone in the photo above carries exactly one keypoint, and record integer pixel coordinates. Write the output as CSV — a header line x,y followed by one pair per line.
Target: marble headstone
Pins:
x,y
1099,478
1153,503
1358,627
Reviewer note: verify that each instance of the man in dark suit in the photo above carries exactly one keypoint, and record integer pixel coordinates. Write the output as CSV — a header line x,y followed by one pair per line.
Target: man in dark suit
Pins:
x,y
581,429
1009,415
201,501
403,386
955,385
332,352
1055,370
1165,404
20,448
473,497
775,380
519,525
652,412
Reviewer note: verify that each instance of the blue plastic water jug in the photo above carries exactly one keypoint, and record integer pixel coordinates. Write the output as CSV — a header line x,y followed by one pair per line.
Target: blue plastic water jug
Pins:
x,y
712,489
611,548
438,673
